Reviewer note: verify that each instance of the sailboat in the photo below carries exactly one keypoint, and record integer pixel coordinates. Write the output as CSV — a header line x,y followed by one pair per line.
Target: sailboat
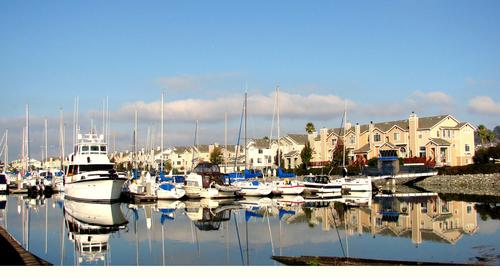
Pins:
x,y
353,186
165,187
286,183
246,182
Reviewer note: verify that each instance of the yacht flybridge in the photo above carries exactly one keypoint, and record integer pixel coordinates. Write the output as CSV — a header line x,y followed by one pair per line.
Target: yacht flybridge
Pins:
x,y
90,176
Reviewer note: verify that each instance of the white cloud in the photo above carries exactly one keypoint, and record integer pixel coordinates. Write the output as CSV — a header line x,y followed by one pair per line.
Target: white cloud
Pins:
x,y
212,110
431,98
190,82
484,105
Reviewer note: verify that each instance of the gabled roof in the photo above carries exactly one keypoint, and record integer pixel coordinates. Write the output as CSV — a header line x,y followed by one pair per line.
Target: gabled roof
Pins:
x,y
300,139
386,126
439,142
202,148
181,149
363,149
292,154
261,143
429,122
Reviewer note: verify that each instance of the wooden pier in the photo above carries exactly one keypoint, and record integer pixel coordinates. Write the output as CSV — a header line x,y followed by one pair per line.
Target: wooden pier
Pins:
x,y
13,254
343,261
138,198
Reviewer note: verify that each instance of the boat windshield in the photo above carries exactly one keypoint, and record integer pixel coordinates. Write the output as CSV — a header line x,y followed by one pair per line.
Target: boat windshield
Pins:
x,y
309,179
3,180
90,167
206,168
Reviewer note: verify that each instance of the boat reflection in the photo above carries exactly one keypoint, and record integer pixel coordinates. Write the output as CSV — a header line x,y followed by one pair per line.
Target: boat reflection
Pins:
x,y
90,226
208,214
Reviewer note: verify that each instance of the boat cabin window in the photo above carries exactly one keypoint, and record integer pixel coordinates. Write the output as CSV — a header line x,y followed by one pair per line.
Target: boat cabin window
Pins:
x,y
96,167
3,180
85,148
206,168
103,148
94,149
72,170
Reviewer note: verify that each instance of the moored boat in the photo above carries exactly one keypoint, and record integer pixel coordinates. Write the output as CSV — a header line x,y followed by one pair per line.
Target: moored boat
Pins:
x,y
90,176
206,181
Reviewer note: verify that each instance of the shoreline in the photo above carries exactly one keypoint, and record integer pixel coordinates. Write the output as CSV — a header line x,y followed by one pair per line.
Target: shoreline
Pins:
x,y
469,184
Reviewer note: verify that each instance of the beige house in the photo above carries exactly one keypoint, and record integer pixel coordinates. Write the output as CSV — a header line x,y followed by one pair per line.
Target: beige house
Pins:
x,y
291,146
440,140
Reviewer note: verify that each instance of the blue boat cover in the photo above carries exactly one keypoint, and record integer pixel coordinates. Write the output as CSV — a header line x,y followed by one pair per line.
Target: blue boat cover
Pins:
x,y
255,183
249,214
165,217
135,174
59,174
282,212
165,210
282,174
167,186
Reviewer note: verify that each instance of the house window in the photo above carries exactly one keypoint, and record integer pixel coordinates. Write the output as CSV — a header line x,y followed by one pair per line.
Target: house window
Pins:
x,y
260,151
420,135
352,139
396,136
437,133
422,151
259,160
334,141
444,133
467,148
469,209
449,133
178,156
178,162
251,160
376,137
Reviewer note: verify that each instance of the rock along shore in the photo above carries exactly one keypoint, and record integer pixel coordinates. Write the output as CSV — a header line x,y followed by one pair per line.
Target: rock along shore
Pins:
x,y
476,184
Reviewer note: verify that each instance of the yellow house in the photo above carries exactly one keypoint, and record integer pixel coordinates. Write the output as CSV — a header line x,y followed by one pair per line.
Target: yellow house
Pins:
x,y
442,140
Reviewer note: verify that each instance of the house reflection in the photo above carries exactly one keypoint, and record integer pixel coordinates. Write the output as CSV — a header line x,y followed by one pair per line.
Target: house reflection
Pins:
x,y
421,218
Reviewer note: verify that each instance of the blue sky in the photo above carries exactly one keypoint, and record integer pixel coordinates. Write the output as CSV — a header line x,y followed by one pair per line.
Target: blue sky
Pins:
x,y
386,58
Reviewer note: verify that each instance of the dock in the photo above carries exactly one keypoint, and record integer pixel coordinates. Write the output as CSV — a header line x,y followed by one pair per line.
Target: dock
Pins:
x,y
404,175
13,254
344,261
139,198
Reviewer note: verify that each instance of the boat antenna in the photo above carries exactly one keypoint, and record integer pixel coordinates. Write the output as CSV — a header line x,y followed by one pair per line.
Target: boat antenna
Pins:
x,y
161,134
245,110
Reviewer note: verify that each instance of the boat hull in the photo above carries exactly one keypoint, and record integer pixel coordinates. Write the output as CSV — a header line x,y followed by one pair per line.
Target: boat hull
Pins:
x,y
98,190
199,192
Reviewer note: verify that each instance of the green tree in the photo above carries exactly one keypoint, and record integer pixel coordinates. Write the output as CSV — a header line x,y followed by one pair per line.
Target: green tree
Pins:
x,y
486,135
167,166
306,155
310,128
337,154
496,130
216,156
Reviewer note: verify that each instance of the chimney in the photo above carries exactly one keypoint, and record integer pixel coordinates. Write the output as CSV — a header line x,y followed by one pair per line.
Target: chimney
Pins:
x,y
413,134
323,135
357,131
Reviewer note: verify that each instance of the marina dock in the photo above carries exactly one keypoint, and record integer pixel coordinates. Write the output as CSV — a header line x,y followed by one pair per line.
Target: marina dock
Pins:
x,y
343,261
14,254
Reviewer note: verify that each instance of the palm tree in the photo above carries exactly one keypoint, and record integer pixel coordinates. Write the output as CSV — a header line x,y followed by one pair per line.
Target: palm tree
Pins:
x,y
310,128
485,134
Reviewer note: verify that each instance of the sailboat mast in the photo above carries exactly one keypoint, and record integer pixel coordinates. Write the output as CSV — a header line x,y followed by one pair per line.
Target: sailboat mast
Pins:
x,y
278,122
161,134
61,136
245,110
46,137
27,138
225,141
6,151
135,140
343,137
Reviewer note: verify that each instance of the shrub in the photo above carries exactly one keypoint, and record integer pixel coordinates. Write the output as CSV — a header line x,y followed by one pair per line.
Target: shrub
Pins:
x,y
488,168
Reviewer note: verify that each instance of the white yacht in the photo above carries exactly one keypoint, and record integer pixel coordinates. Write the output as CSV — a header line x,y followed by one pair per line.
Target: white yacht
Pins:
x,y
90,176
206,181
321,184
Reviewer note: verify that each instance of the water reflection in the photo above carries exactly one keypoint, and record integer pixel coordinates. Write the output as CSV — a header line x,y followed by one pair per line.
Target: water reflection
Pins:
x,y
249,231
89,226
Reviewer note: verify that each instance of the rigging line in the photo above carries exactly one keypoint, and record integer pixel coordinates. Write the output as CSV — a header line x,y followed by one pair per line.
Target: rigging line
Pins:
x,y
338,234
239,241
238,141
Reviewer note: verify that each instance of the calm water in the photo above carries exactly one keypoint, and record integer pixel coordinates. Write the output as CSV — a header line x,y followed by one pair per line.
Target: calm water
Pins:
x,y
249,232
